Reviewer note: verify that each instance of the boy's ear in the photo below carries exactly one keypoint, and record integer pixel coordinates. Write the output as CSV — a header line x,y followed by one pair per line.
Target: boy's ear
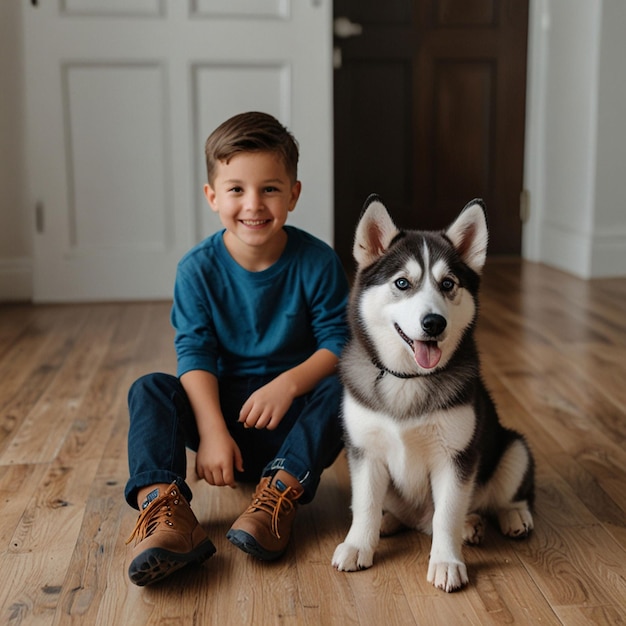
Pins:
x,y
374,232
209,194
296,189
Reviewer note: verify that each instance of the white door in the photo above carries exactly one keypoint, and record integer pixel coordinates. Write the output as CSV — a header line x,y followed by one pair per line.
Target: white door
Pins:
x,y
121,95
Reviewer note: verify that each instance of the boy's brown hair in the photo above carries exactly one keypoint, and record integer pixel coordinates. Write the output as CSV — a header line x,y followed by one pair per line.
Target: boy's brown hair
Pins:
x,y
251,132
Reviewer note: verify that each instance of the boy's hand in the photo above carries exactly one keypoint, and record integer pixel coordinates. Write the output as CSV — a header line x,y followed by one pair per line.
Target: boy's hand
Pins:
x,y
216,459
267,406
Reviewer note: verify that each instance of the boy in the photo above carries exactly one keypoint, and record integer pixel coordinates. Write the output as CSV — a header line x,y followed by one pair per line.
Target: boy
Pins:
x,y
259,314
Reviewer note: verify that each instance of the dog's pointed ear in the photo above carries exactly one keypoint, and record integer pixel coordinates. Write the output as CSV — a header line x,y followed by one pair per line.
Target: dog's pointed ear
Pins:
x,y
469,235
374,232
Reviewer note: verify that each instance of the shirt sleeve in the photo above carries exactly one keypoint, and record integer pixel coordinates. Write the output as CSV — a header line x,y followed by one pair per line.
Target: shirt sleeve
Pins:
x,y
195,340
328,297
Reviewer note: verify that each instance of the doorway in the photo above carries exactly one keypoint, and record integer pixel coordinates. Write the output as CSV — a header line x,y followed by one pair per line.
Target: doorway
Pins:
x,y
429,111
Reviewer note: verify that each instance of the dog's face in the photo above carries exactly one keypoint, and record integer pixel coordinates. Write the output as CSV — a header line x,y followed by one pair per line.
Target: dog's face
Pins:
x,y
416,290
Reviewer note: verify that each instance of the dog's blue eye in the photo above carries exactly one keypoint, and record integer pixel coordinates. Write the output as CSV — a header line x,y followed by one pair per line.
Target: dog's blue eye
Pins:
x,y
447,284
402,284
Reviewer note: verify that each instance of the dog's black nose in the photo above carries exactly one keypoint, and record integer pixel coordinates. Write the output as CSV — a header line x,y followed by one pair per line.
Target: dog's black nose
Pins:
x,y
434,324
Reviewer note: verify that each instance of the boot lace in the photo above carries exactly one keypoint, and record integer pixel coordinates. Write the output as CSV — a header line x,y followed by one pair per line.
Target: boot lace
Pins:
x,y
272,502
160,511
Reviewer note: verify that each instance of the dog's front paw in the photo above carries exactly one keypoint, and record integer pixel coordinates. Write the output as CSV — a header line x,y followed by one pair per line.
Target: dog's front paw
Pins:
x,y
473,529
349,558
448,576
515,523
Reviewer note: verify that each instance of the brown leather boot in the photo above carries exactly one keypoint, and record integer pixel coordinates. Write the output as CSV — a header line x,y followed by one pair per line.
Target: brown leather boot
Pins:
x,y
167,537
264,528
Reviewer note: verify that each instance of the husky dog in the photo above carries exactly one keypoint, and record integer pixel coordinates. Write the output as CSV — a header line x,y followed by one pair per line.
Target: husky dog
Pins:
x,y
425,447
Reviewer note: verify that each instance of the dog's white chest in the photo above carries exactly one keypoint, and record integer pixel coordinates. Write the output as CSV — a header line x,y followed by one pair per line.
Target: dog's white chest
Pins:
x,y
411,449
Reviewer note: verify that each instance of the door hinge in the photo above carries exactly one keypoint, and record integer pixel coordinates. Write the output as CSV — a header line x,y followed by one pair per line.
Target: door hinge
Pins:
x,y
39,217
524,206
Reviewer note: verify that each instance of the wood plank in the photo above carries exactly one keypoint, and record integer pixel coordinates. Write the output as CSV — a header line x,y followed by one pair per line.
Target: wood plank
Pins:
x,y
31,364
60,405
18,483
14,319
577,565
62,496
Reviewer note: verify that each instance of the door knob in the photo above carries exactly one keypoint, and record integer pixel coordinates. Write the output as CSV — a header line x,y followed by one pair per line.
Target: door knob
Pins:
x,y
343,28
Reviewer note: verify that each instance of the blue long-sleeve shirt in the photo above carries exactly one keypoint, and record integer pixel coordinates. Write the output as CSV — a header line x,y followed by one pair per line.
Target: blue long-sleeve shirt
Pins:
x,y
233,322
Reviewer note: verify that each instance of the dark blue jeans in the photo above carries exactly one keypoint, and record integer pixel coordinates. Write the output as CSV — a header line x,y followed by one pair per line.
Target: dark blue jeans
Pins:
x,y
162,426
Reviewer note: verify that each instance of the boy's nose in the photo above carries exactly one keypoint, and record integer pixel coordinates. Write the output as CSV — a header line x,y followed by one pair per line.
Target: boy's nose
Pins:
x,y
253,200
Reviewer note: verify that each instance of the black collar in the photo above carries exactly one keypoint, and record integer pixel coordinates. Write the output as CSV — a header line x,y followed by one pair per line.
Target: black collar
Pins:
x,y
383,370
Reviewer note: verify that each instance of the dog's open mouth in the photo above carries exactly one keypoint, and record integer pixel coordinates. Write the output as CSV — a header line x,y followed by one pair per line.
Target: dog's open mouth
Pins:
x,y
427,353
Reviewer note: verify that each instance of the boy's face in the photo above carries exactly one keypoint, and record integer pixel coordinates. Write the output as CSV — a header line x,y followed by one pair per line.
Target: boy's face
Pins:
x,y
253,194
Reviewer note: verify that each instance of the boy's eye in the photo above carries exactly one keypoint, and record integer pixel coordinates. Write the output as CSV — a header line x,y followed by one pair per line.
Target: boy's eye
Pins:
x,y
235,189
271,189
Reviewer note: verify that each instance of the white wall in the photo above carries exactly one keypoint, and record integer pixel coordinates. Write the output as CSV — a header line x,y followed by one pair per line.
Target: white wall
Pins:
x,y
16,247
575,151
609,219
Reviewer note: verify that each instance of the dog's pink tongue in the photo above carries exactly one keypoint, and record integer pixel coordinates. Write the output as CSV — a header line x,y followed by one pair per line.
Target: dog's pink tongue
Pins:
x,y
427,354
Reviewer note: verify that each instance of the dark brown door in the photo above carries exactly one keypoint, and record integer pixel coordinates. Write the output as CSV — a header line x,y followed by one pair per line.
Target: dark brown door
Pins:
x,y
429,113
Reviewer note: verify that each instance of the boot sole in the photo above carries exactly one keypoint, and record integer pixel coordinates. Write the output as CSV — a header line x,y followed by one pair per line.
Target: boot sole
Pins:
x,y
155,564
246,542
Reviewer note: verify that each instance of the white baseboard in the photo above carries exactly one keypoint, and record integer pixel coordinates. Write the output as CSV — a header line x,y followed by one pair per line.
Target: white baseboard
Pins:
x,y
608,258
601,255
16,280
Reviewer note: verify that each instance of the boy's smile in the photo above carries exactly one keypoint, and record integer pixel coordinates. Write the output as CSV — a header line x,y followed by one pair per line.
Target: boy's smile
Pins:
x,y
253,195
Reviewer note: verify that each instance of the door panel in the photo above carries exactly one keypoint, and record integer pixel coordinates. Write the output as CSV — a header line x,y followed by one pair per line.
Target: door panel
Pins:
x,y
139,168
120,99
429,113
127,8
460,132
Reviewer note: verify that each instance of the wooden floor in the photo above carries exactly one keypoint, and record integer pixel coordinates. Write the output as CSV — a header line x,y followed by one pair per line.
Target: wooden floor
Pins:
x,y
554,356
